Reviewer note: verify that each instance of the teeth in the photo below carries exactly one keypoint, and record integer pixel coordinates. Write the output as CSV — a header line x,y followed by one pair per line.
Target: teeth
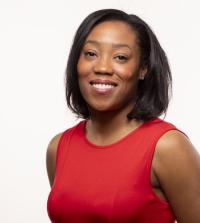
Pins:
x,y
103,86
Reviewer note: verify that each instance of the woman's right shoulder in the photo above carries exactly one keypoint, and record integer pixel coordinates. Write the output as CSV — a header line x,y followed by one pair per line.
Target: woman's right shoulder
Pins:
x,y
51,156
53,144
51,153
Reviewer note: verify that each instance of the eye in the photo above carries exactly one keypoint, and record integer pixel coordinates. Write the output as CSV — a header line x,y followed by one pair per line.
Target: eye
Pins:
x,y
121,58
89,54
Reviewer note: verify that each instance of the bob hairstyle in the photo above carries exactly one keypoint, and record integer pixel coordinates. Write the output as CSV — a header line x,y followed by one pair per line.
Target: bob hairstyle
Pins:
x,y
153,93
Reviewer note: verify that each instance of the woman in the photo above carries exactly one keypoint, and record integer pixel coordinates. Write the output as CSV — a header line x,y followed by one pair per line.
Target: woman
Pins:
x,y
121,163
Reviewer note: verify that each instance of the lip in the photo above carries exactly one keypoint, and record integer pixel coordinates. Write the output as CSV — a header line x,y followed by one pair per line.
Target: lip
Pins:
x,y
103,81
103,91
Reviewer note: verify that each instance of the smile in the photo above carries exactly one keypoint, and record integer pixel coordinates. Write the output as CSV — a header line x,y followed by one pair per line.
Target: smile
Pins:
x,y
102,88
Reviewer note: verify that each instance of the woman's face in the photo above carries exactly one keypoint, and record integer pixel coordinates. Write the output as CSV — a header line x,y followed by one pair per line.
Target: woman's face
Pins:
x,y
108,67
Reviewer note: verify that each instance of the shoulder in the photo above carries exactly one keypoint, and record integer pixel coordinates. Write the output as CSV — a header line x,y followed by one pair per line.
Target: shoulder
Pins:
x,y
175,147
174,143
167,135
51,156
52,148
53,144
177,165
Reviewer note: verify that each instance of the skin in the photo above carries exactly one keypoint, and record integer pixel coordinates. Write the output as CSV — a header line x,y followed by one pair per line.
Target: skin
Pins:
x,y
111,51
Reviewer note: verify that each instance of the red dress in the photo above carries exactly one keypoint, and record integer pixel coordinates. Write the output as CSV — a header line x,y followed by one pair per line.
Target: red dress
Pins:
x,y
110,183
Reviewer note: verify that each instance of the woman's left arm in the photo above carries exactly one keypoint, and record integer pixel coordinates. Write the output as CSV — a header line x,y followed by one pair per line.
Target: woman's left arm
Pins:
x,y
177,166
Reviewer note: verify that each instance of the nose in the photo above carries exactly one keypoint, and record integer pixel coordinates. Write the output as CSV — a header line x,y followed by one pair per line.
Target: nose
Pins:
x,y
103,66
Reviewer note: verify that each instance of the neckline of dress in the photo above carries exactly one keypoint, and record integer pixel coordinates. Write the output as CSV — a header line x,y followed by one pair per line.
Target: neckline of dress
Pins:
x,y
131,133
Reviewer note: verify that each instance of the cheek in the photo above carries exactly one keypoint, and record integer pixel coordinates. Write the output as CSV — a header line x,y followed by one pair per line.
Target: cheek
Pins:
x,y
83,67
80,67
128,71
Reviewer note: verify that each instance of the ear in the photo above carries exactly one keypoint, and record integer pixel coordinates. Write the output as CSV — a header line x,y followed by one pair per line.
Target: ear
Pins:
x,y
142,73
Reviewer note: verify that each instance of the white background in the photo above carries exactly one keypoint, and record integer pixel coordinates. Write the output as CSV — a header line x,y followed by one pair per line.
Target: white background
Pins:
x,y
35,37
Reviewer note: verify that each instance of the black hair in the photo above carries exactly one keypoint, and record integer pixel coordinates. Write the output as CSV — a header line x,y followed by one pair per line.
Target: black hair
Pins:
x,y
153,93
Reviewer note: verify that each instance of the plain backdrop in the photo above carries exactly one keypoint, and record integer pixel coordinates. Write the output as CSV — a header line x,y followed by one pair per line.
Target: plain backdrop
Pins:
x,y
35,38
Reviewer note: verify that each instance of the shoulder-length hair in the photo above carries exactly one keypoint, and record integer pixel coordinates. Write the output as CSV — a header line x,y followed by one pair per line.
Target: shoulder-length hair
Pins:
x,y
153,92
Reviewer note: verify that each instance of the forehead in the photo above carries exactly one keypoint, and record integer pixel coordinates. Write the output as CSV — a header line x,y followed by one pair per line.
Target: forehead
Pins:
x,y
113,32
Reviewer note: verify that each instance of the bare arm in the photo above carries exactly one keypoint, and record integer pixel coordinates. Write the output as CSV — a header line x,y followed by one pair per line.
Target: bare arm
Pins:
x,y
177,165
51,157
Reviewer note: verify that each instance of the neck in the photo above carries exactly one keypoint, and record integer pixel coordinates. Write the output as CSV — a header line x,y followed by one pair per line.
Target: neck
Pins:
x,y
103,124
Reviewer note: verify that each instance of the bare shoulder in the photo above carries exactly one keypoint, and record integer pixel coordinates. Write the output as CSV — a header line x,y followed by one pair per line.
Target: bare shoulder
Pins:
x,y
51,157
52,147
172,138
177,165
175,146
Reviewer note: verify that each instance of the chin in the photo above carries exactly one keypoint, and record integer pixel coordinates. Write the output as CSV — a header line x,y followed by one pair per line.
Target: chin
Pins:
x,y
103,108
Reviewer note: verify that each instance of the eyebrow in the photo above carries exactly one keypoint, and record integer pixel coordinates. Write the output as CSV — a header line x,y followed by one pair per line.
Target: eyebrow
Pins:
x,y
114,45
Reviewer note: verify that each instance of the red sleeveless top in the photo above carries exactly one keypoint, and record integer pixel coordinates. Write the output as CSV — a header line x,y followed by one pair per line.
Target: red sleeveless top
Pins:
x,y
98,184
